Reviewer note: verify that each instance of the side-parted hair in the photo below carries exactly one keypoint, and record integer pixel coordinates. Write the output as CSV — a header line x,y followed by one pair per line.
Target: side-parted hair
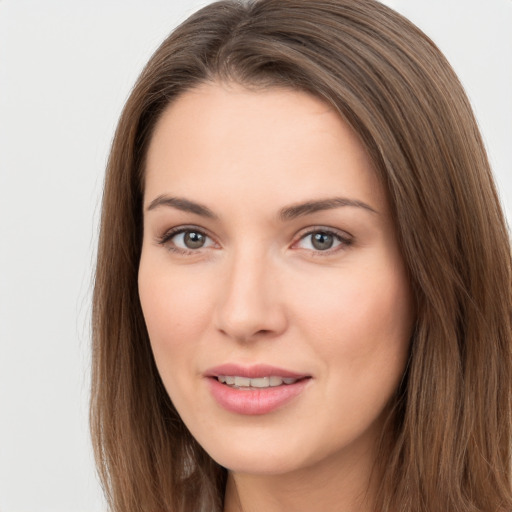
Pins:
x,y
447,443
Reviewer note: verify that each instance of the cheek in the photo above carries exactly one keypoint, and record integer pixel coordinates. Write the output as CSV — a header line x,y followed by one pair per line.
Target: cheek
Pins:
x,y
176,312
361,324
361,332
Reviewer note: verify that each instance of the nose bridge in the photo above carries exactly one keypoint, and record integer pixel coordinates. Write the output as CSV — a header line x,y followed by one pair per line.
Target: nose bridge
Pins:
x,y
249,302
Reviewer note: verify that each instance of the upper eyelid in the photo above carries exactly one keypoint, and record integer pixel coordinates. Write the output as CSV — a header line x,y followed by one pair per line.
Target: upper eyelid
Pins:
x,y
340,238
169,233
324,229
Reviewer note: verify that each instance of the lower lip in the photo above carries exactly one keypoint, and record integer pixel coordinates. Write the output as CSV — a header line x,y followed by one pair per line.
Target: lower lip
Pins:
x,y
254,401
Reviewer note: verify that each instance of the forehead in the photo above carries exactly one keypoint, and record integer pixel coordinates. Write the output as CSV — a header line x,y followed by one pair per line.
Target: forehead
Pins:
x,y
223,140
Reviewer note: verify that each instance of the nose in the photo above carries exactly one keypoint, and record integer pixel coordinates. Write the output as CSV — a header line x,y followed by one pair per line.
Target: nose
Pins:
x,y
250,302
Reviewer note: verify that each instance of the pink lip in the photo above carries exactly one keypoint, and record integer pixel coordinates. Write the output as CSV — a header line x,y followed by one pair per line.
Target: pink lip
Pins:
x,y
255,401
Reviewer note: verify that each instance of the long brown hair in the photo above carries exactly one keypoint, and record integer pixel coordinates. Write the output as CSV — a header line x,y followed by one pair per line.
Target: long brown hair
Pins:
x,y
447,446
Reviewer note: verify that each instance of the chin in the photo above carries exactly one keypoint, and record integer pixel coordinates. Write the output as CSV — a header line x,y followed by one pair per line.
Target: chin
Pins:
x,y
251,453
259,462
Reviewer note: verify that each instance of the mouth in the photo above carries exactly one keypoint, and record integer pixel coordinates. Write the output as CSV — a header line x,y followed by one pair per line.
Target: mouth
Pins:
x,y
255,390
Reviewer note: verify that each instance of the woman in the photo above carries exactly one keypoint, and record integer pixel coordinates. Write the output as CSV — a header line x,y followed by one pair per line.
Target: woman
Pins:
x,y
303,290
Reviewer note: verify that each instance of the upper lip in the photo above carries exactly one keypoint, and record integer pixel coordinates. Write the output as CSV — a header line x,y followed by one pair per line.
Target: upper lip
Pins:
x,y
252,371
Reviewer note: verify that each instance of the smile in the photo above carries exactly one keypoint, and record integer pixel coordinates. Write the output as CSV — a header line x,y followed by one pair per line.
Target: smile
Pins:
x,y
256,389
238,382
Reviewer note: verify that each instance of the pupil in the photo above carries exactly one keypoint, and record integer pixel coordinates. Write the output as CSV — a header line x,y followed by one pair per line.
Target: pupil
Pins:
x,y
193,240
322,241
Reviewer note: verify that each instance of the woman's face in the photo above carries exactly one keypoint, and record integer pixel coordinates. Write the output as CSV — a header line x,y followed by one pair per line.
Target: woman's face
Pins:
x,y
272,285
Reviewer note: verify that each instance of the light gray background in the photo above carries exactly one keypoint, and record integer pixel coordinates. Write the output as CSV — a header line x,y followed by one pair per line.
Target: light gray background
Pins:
x,y
65,70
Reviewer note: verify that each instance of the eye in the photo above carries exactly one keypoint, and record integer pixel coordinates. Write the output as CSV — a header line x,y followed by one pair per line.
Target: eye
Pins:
x,y
186,240
322,240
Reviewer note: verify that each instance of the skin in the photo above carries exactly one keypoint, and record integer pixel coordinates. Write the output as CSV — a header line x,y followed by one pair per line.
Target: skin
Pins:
x,y
260,291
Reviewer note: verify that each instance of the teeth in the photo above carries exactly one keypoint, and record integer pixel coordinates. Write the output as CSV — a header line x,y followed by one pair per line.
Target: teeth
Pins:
x,y
260,382
263,382
275,381
242,381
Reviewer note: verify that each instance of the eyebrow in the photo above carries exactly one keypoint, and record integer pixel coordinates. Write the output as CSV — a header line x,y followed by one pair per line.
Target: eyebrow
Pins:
x,y
298,210
182,204
285,214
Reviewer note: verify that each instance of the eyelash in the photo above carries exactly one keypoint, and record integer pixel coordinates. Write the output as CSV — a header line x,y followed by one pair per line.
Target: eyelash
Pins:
x,y
344,240
169,235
